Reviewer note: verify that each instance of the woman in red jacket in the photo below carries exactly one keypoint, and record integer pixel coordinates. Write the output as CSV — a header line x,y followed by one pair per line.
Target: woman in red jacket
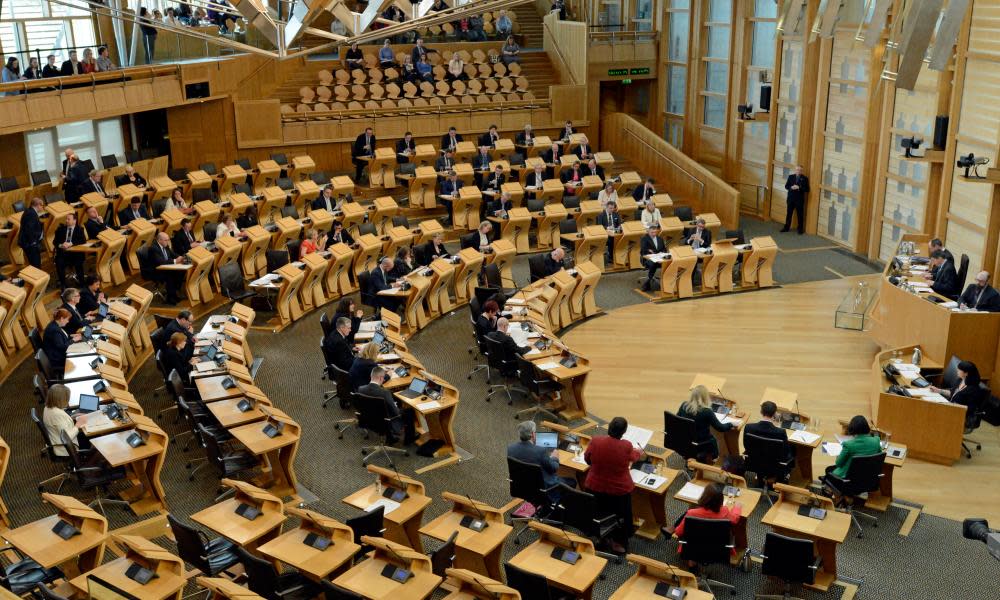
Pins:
x,y
710,506
609,480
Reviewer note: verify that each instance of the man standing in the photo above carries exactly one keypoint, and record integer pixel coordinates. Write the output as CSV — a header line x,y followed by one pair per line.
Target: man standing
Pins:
x,y
336,347
980,295
364,146
798,190
29,236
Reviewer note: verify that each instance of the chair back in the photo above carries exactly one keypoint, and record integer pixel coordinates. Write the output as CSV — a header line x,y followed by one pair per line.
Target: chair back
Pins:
x,y
864,475
536,267
790,559
949,378
963,271
275,259
50,449
77,461
332,591
319,178
290,211
261,574
497,358
231,279
46,593
580,511
175,384
285,184
345,391
493,277
364,228
736,234
279,157
202,194
325,324
190,545
764,455
368,524
570,202
707,541
567,225
684,213
530,585
159,338
212,449
294,247
208,167
535,205
679,435
400,221
365,285
372,414
41,387
443,557
526,481
35,338
44,366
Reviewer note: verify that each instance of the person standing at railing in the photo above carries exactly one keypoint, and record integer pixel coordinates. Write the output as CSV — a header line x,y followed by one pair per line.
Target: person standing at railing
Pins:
x,y
11,73
50,69
104,60
149,34
33,71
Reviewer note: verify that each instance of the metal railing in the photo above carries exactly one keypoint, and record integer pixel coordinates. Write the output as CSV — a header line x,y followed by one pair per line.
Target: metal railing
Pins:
x,y
757,191
622,37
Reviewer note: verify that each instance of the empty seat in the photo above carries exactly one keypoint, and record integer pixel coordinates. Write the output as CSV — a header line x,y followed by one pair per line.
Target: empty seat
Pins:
x,y
514,69
376,91
307,94
521,84
426,89
323,94
392,91
359,92
442,88
375,75
506,85
342,93
499,70
458,87
475,87
325,77
343,77
359,76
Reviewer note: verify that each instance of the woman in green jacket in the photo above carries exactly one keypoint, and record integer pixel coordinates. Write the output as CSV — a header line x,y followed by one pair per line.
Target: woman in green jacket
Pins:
x,y
862,443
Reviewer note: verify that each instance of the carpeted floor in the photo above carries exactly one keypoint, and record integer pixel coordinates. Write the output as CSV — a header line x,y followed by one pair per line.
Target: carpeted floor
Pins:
x,y
932,562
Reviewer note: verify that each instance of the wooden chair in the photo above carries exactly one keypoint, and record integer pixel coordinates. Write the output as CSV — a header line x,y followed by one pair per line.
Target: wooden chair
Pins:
x,y
521,84
337,106
499,70
485,71
404,103
359,92
392,91
303,108
434,58
514,69
375,75
442,88
483,99
371,61
436,101
527,96
488,27
426,89
307,94
354,105
341,93
436,31
478,56
343,77
400,57
446,56
319,107
491,86
372,104
387,103
465,56
467,99
323,94
452,101
458,87
439,72
409,90
376,91
513,98
499,98
506,85
420,103
470,71
391,74
287,109
475,87
359,76
325,77
447,30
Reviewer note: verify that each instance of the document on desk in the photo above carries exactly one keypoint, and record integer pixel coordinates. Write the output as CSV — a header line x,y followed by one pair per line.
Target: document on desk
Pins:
x,y
638,436
97,422
730,419
388,357
206,366
369,326
831,448
390,505
806,437
548,366
265,281
514,301
691,491
646,480
429,405
658,257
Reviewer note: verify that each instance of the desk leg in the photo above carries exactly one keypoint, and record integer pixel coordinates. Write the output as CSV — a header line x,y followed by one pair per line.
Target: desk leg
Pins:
x,y
87,561
729,442
406,533
803,462
571,398
477,563
650,508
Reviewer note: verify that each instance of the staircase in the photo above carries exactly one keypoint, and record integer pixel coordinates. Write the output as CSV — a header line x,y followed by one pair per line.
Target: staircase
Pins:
x,y
530,23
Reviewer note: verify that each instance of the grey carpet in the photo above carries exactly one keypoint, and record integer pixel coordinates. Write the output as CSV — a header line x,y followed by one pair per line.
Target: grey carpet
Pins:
x,y
892,566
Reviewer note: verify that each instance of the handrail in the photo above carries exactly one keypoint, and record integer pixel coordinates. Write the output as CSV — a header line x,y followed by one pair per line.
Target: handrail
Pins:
x,y
565,63
414,110
701,184
92,79
647,36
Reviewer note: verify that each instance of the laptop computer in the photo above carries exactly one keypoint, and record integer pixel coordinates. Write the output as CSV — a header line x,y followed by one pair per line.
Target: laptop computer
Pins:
x,y
547,439
210,353
89,403
416,389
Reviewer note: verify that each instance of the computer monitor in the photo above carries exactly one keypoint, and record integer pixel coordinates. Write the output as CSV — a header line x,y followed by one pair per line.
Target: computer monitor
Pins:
x,y
89,403
418,385
547,439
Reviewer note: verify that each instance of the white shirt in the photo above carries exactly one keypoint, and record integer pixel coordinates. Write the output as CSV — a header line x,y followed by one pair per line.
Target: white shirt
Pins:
x,y
56,421
604,197
223,230
648,218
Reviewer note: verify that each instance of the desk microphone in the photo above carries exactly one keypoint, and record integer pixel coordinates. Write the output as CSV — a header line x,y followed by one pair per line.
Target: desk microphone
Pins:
x,y
482,517
482,586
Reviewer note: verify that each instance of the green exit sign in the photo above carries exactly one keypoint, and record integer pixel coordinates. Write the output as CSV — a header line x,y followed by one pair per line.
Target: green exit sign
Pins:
x,y
617,72
628,72
639,71
626,81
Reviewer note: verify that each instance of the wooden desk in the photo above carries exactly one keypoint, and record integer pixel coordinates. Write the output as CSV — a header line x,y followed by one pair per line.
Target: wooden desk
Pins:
x,y
222,518
277,454
649,499
229,415
402,525
421,188
381,168
537,558
627,245
573,381
144,463
675,275
515,228
783,518
650,574
590,242
467,585
548,225
758,265
222,587
367,580
480,551
210,388
169,569
79,553
337,282
267,173
465,208
717,273
747,499
291,549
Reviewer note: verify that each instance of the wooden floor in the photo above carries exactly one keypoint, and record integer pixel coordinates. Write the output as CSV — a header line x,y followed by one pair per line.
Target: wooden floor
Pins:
x,y
644,358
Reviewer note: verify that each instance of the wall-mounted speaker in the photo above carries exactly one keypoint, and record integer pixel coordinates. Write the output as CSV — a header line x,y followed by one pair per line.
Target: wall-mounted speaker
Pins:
x,y
940,131
765,98
197,90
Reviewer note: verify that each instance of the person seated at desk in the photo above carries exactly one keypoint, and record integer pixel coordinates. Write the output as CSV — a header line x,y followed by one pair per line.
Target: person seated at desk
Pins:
x,y
584,151
966,391
184,240
55,340
572,179
493,181
769,427
500,205
456,69
552,156
405,148
57,420
337,345
699,237
937,244
404,262
449,190
611,221
133,178
698,408
248,218
338,235
311,243
980,295
71,301
610,481
651,243
382,278
650,215
67,235
710,506
91,297
445,162
527,450
347,309
490,138
92,185
436,249
593,169
481,163
354,58
553,262
364,146
420,52
134,210
533,182
401,424
486,322
945,281
230,228
326,201
95,223
160,254
386,58
525,138
182,323
479,239
425,70
644,192
862,442
175,356
177,202
451,139
364,361
510,347
608,194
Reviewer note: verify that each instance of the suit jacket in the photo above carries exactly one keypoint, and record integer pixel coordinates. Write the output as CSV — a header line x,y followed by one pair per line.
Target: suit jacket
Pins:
x,y
337,349
523,140
534,180
567,131
766,429
31,232
76,320
988,300
606,219
481,162
69,69
493,206
494,181
651,245
88,301
345,237
380,280
471,240
583,151
536,455
551,267
160,255
403,146
946,280
76,176
51,71
88,185
598,171
418,52
176,360
77,237
487,139
446,140
706,238
182,242
433,252
551,157
358,148
126,215
246,220
55,343
449,188
93,228
361,372
320,202
391,408
568,174
174,327
443,164
510,347
640,194
484,326
800,194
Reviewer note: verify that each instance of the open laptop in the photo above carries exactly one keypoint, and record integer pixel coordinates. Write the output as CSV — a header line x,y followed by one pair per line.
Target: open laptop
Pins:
x,y
210,353
416,389
89,403
547,439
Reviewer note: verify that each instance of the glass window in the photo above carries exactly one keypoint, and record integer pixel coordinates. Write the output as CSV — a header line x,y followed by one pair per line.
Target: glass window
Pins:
x,y
9,38
766,9
75,134
676,88
715,112
83,34
644,9
680,4
109,133
719,11
763,47
716,77
22,9
90,140
674,132
45,35
718,42
678,49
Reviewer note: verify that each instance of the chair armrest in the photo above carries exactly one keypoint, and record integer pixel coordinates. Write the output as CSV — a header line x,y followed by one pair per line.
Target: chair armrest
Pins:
x,y
605,520
816,565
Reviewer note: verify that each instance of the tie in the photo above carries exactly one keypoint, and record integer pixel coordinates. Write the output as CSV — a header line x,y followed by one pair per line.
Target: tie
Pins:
x,y
69,234
978,297
98,187
189,237
135,214
164,251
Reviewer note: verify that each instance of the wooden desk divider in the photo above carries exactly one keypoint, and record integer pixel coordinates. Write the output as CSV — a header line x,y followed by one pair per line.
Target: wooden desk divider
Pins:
x,y
277,453
438,296
36,281
422,187
289,230
172,220
272,200
125,195
468,585
109,264
717,272
238,204
382,168
465,208
228,250
586,214
385,208
652,572
254,259
583,303
675,276
478,552
306,191
197,281
4,463
590,184
161,186
515,228
267,174
12,332
353,216
57,213
515,190
114,376
338,275
398,237
206,212
563,283
591,247
758,266
142,235
322,221
467,275
220,588
288,308
627,245
311,294
503,257
301,167
366,258
548,225
80,553
168,582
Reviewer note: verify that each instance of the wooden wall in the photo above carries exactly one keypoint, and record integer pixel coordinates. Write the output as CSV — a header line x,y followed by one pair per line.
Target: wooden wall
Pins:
x,y
13,159
566,44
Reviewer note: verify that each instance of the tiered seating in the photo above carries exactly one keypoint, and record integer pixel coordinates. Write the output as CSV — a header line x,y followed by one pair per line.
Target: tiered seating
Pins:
x,y
448,31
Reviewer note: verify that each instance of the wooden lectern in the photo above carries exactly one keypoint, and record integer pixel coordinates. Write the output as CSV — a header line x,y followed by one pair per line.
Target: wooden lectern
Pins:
x,y
267,175
36,282
232,175
289,230
675,278
142,235
422,187
438,296
198,282
273,201
627,245
109,264
503,256
467,275
385,208
311,294
548,225
590,244
382,168
57,211
717,272
307,192
254,259
587,213
465,208
354,216
370,248
338,275
758,265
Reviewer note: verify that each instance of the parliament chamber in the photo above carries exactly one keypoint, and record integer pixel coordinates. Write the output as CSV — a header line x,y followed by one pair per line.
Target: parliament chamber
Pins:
x,y
499,299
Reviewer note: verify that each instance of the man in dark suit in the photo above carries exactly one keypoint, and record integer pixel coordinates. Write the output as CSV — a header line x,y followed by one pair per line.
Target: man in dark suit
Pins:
x,y
450,187
160,254
91,296
67,235
510,347
611,220
551,157
338,234
489,139
525,138
699,237
336,347
945,281
500,205
534,180
937,244
381,278
420,51
30,233
651,243
798,190
364,145
568,130
553,262
95,223
325,200
405,148
584,151
766,427
50,69
71,66
135,210
248,219
450,139
71,302
594,169
481,164
493,181
645,191
401,424
182,323
184,238
526,451
92,184
55,340
445,162
980,295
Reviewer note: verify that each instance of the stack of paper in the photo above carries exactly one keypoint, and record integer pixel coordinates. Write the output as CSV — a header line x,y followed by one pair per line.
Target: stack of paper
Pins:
x,y
927,394
97,421
548,366
369,326
730,419
658,257
390,505
805,437
832,448
514,301
691,491
646,480
638,436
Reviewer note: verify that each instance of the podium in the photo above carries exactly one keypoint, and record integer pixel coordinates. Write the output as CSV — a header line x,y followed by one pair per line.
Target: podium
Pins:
x,y
307,192
57,211
664,203
254,258
206,212
467,275
675,278
422,188
354,216
231,175
142,235
464,151
288,230
109,264
382,168
197,282
465,208
590,184
502,256
141,299
561,313
541,144
627,245
758,265
268,172
199,180
416,316
302,167
288,307
172,220
370,247
36,281
590,244
399,237
238,204
438,296
168,581
515,228
385,209
717,272
672,230
338,274
427,230
273,201
552,191
311,294
516,192
583,304
321,220
548,225
12,331
465,173
423,155
162,187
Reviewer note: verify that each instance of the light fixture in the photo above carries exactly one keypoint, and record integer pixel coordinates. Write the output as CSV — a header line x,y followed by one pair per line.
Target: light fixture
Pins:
x,y
746,111
971,161
910,145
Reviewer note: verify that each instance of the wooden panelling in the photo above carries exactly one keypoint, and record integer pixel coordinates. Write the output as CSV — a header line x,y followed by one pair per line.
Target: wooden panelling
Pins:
x,y
687,181
566,44
258,122
568,102
13,160
201,133
788,90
